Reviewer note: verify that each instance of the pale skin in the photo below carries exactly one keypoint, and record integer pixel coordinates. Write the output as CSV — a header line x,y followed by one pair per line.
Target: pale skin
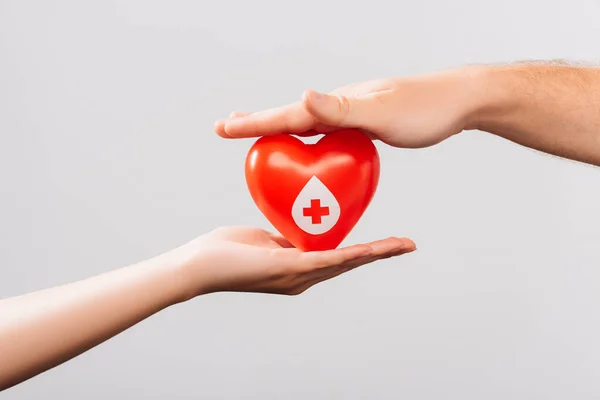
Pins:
x,y
551,108
41,330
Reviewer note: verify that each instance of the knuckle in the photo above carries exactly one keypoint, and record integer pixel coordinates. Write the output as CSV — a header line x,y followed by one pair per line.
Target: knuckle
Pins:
x,y
343,106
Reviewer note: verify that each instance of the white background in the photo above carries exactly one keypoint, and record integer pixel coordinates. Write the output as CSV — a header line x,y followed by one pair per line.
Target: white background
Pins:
x,y
108,157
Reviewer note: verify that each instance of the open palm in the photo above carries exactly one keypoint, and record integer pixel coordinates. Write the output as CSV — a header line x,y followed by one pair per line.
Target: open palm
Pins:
x,y
246,259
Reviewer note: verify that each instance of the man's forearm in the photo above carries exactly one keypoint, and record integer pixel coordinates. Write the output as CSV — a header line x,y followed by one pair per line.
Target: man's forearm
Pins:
x,y
551,108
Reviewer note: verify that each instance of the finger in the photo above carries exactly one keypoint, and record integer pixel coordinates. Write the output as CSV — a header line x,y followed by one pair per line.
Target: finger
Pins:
x,y
331,272
314,260
376,249
392,246
324,274
365,111
219,125
281,241
292,118
219,128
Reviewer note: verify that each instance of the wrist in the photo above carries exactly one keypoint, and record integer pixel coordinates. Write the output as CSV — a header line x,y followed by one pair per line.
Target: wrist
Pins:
x,y
190,264
180,268
491,98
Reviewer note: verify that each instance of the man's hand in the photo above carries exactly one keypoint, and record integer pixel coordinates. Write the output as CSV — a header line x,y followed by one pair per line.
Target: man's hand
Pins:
x,y
402,112
548,107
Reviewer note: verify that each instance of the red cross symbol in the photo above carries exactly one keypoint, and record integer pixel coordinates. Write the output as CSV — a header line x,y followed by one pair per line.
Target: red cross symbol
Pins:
x,y
315,211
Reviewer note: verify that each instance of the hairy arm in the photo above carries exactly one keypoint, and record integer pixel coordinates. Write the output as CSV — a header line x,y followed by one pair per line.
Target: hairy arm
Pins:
x,y
550,108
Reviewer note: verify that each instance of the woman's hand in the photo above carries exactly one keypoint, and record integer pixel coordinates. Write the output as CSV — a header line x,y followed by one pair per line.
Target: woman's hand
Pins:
x,y
403,112
43,329
245,259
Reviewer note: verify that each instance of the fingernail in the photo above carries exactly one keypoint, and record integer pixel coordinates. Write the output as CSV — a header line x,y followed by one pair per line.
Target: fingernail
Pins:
x,y
317,97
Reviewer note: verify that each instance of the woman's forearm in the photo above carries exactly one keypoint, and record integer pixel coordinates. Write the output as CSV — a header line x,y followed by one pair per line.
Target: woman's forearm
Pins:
x,y
43,329
551,108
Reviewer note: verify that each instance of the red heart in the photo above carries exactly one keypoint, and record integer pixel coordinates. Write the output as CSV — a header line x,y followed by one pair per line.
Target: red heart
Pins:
x,y
313,194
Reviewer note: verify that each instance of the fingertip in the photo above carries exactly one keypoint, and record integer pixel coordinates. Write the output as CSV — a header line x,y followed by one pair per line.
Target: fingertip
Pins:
x,y
408,244
405,246
405,243
308,93
392,246
309,99
232,128
226,128
219,128
241,127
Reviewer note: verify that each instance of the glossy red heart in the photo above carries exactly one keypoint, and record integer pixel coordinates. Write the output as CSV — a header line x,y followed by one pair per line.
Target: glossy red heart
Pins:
x,y
313,194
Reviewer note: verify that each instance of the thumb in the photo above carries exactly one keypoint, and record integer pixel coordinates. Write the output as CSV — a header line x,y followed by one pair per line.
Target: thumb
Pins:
x,y
339,110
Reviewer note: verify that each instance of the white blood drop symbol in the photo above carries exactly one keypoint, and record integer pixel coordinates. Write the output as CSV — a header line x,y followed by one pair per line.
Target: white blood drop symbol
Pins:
x,y
315,210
